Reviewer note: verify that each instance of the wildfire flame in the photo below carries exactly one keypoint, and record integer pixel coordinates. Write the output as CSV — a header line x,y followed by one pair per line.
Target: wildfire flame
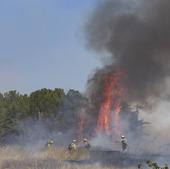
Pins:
x,y
113,92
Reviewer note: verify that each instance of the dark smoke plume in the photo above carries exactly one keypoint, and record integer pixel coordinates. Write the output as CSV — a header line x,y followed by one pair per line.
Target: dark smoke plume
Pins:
x,y
135,35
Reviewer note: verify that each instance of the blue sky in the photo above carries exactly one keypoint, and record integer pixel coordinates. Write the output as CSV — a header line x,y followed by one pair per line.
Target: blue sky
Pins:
x,y
42,45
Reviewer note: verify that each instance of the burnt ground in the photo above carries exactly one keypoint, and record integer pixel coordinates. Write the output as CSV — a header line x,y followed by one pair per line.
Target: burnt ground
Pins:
x,y
104,158
116,158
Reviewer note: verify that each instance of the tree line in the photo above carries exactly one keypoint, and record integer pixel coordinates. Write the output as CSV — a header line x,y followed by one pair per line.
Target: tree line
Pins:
x,y
60,111
41,104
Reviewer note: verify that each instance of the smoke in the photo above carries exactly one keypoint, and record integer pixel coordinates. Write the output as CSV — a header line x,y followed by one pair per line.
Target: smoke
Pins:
x,y
102,141
133,36
34,135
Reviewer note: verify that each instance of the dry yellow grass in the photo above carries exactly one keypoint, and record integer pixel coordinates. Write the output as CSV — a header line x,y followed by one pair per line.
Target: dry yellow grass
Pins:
x,y
18,158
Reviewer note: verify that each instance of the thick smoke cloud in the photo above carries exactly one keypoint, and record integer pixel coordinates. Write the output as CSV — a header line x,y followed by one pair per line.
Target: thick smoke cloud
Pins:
x,y
135,35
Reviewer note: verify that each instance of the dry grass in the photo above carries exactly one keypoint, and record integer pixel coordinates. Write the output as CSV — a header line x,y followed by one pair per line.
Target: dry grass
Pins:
x,y
17,158
48,164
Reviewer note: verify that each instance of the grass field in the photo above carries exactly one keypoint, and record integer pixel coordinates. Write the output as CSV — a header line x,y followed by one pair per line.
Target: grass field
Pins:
x,y
18,158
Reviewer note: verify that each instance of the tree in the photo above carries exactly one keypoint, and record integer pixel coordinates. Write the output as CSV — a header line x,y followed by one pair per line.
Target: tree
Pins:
x,y
45,102
70,109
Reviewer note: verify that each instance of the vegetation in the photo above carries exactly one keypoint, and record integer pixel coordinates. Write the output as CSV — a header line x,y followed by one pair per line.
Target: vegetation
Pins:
x,y
40,104
153,165
17,158
59,111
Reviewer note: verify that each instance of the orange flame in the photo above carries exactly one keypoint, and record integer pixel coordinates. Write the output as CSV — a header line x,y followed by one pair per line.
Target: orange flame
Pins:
x,y
112,97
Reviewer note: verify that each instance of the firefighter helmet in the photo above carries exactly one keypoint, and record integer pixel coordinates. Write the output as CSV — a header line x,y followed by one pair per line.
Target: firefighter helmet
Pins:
x,y
122,137
51,141
84,140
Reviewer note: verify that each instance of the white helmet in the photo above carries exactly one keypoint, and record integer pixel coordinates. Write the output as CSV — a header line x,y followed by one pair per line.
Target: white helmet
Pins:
x,y
122,136
74,141
85,140
51,141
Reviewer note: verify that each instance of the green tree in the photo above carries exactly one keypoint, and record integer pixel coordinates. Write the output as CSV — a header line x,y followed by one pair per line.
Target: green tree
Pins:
x,y
45,102
9,113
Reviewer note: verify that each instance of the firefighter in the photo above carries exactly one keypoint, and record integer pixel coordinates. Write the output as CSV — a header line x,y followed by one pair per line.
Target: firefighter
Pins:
x,y
72,150
86,144
50,143
72,146
124,143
